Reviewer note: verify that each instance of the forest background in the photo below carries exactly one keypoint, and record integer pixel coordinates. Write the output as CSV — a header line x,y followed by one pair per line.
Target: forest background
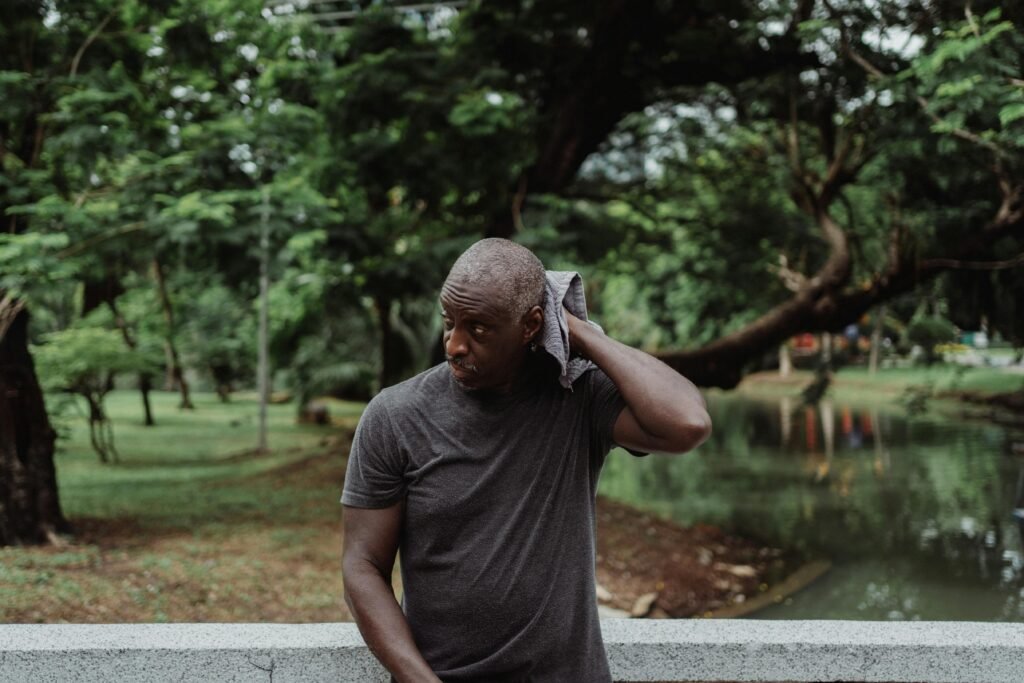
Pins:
x,y
726,175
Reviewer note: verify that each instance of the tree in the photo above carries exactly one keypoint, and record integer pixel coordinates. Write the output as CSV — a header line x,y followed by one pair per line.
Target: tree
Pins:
x,y
928,331
815,107
798,201
94,154
83,361
29,506
983,129
219,330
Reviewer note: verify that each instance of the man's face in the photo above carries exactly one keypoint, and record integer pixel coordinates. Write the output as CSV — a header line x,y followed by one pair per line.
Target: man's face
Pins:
x,y
483,342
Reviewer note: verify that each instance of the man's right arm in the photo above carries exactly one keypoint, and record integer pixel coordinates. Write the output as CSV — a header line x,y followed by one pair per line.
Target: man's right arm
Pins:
x,y
368,558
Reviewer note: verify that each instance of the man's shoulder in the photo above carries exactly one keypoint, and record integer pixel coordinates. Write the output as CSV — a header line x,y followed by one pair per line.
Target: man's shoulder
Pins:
x,y
592,380
421,390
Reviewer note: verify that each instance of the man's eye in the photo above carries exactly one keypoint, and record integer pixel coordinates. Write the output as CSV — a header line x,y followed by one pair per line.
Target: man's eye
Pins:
x,y
447,322
479,329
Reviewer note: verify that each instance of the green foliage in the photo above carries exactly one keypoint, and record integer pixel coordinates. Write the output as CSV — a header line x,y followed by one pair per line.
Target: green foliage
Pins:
x,y
371,157
929,331
81,359
30,262
219,334
972,80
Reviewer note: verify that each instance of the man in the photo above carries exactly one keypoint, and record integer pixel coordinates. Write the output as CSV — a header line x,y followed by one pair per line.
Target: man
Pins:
x,y
483,471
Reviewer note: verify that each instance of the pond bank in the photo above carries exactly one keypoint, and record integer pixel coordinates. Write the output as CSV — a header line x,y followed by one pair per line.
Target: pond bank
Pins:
x,y
650,566
919,514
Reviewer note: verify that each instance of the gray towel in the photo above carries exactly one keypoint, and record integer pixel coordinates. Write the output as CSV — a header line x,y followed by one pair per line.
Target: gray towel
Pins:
x,y
564,288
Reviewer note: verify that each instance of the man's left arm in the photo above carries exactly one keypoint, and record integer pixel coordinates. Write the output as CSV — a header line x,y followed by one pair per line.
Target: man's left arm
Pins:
x,y
664,412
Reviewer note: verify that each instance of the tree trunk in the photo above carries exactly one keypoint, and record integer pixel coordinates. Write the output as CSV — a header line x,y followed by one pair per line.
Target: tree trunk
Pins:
x,y
145,386
101,432
395,356
145,380
876,340
263,342
785,361
383,308
29,505
223,392
825,357
173,359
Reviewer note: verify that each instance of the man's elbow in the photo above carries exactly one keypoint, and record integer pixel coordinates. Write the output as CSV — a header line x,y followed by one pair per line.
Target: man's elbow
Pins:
x,y
693,430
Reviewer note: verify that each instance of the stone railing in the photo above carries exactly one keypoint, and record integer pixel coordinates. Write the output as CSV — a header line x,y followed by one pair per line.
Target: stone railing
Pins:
x,y
638,650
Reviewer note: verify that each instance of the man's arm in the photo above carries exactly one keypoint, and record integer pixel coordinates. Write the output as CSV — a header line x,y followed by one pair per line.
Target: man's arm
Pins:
x,y
370,545
664,412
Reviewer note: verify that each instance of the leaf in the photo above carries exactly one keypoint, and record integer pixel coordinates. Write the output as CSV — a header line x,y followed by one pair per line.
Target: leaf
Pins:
x,y
992,15
957,88
1011,113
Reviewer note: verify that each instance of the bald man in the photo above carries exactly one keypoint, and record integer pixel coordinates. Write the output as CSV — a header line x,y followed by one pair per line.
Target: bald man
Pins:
x,y
483,472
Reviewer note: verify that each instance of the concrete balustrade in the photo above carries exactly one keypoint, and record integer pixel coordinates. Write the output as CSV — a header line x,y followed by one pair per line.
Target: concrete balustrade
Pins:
x,y
638,650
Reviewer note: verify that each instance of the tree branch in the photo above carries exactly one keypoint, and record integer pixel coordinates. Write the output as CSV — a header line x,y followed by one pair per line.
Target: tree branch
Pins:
x,y
827,306
792,280
79,247
955,264
89,41
971,20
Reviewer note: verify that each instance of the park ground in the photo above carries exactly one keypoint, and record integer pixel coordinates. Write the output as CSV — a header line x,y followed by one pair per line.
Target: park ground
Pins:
x,y
194,525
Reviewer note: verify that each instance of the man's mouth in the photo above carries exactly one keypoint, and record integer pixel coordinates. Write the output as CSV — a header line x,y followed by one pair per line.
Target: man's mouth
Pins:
x,y
461,370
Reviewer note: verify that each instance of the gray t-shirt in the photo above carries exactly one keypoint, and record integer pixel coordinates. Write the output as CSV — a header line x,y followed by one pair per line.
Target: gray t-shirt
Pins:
x,y
497,543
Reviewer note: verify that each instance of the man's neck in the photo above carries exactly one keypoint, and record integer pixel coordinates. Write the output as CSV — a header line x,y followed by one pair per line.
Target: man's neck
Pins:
x,y
528,371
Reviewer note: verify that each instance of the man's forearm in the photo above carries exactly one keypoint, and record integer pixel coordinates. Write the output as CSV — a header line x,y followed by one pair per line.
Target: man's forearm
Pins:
x,y
384,627
664,403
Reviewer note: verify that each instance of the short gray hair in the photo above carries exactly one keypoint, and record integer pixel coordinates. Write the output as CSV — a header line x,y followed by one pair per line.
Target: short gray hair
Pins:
x,y
516,270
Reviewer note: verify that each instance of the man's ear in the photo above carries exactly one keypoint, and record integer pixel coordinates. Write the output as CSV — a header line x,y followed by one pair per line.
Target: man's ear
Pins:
x,y
533,320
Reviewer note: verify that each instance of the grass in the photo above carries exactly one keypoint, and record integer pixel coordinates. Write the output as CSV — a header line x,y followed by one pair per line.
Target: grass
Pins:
x,y
193,524
891,385
942,376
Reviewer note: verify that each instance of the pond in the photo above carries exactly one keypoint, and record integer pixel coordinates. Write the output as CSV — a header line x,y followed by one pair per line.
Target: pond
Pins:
x,y
921,517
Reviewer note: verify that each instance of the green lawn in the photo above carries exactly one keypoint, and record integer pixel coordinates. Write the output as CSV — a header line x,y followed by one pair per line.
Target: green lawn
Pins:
x,y
890,385
943,377
192,524
162,468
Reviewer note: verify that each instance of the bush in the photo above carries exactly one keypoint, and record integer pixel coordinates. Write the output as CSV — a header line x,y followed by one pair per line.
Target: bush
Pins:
x,y
928,332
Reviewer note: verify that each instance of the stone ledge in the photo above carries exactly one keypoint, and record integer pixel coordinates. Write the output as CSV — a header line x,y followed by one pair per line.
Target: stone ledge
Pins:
x,y
638,650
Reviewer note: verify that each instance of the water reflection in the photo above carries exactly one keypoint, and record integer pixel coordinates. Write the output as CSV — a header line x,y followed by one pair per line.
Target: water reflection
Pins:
x,y
922,517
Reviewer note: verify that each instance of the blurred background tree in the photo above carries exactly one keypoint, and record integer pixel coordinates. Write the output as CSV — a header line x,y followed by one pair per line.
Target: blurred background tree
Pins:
x,y
726,175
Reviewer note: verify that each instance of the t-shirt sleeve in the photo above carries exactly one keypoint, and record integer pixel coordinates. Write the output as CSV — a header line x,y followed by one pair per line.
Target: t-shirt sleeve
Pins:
x,y
375,475
606,405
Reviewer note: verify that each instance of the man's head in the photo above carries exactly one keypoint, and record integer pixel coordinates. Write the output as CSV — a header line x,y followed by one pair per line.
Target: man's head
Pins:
x,y
491,303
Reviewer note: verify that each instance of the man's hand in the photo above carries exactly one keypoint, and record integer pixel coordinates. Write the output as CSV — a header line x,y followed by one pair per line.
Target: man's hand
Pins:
x,y
664,411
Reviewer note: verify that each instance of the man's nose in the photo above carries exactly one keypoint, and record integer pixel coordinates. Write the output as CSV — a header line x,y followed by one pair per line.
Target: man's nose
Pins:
x,y
455,343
